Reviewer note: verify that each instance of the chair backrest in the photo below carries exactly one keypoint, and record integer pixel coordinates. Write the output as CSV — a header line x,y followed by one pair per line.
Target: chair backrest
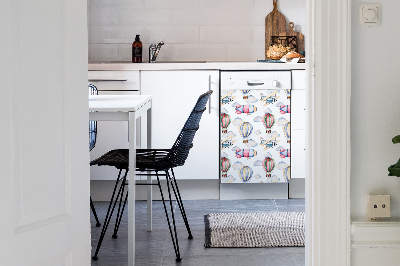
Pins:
x,y
92,124
180,150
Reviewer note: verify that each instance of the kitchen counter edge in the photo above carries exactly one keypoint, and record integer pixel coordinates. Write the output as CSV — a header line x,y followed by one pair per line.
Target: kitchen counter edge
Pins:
x,y
194,66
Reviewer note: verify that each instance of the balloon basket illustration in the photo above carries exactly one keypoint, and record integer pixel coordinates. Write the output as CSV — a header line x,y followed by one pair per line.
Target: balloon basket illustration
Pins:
x,y
225,164
286,130
245,94
268,121
245,173
225,121
268,165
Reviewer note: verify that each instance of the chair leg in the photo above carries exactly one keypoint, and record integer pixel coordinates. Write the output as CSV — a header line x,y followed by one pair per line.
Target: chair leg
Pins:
x,y
120,212
109,213
180,203
174,239
94,213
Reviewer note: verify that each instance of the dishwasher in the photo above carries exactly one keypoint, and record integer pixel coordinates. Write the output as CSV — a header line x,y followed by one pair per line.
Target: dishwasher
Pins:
x,y
255,126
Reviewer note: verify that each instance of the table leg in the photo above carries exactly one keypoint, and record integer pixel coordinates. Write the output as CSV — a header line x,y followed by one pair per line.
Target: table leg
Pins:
x,y
132,189
149,178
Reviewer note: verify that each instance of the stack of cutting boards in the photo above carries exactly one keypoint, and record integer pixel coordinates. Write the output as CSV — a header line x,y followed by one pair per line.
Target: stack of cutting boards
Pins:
x,y
275,25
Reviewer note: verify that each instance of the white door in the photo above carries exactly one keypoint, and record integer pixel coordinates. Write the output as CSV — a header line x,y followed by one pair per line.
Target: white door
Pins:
x,y
44,191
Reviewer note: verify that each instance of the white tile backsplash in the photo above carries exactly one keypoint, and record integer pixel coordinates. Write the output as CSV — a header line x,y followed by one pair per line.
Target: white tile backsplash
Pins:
x,y
192,30
145,17
172,3
224,34
249,52
173,34
104,16
199,16
199,52
103,52
246,17
116,34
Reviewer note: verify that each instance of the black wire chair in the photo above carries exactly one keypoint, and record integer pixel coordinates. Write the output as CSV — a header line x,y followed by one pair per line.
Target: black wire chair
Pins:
x,y
92,143
154,160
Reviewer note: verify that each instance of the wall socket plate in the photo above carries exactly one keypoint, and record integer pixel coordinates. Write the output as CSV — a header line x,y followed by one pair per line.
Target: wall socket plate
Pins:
x,y
378,206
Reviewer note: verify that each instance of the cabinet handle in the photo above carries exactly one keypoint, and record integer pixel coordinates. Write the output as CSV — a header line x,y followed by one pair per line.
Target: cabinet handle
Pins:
x,y
254,83
209,99
100,80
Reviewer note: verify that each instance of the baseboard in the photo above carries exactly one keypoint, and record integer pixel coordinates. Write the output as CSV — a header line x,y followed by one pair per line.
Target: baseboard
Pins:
x,y
101,190
297,188
253,191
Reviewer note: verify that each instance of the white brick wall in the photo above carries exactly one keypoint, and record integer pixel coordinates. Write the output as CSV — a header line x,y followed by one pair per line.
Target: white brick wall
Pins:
x,y
192,30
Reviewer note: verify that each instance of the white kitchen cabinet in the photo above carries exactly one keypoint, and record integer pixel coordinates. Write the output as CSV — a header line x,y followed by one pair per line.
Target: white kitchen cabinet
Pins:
x,y
112,134
298,123
174,96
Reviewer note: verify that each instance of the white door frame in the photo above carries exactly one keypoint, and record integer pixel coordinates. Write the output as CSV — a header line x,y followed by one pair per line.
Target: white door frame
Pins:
x,y
328,141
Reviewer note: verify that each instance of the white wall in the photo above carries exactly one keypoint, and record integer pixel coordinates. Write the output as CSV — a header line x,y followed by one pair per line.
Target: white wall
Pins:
x,y
375,108
193,30
375,120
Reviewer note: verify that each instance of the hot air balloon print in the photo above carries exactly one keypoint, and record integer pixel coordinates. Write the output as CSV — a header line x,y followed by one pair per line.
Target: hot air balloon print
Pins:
x,y
268,121
283,153
288,93
246,109
246,153
286,130
286,174
225,164
225,121
245,173
268,165
245,130
284,109
245,93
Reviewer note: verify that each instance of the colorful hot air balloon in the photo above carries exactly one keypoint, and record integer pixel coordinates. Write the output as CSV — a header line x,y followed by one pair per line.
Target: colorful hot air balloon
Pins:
x,y
245,109
286,173
225,121
245,130
268,121
268,165
245,173
225,165
286,130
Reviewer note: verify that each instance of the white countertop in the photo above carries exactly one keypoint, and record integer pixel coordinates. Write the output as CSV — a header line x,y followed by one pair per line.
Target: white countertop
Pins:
x,y
196,66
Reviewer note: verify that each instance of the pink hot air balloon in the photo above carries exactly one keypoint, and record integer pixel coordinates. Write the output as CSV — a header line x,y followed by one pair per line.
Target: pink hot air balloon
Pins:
x,y
225,164
268,121
268,165
225,120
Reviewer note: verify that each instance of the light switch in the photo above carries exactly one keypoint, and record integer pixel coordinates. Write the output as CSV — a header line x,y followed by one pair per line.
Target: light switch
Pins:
x,y
369,14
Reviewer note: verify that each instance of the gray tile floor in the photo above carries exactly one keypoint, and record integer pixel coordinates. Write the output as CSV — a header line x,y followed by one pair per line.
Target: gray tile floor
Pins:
x,y
155,248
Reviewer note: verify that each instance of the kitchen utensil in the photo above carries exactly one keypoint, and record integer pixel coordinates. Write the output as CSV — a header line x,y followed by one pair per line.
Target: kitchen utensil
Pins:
x,y
300,37
275,23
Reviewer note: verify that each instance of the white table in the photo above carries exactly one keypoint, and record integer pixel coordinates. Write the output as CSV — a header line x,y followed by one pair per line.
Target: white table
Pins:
x,y
127,108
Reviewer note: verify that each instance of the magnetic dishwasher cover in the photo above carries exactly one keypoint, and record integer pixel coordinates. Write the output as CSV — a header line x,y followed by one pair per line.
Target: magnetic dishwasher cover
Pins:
x,y
255,127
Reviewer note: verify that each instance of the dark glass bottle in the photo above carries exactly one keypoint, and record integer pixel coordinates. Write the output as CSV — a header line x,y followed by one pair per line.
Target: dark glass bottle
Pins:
x,y
137,50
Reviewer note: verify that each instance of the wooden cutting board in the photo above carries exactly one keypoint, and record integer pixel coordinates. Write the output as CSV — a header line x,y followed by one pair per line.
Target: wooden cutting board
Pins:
x,y
292,32
275,23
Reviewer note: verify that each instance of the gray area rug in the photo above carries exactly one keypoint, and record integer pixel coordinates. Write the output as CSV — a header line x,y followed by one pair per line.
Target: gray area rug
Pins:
x,y
238,230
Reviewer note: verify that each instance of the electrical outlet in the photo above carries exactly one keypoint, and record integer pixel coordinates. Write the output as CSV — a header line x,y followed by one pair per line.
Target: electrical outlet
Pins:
x,y
378,206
